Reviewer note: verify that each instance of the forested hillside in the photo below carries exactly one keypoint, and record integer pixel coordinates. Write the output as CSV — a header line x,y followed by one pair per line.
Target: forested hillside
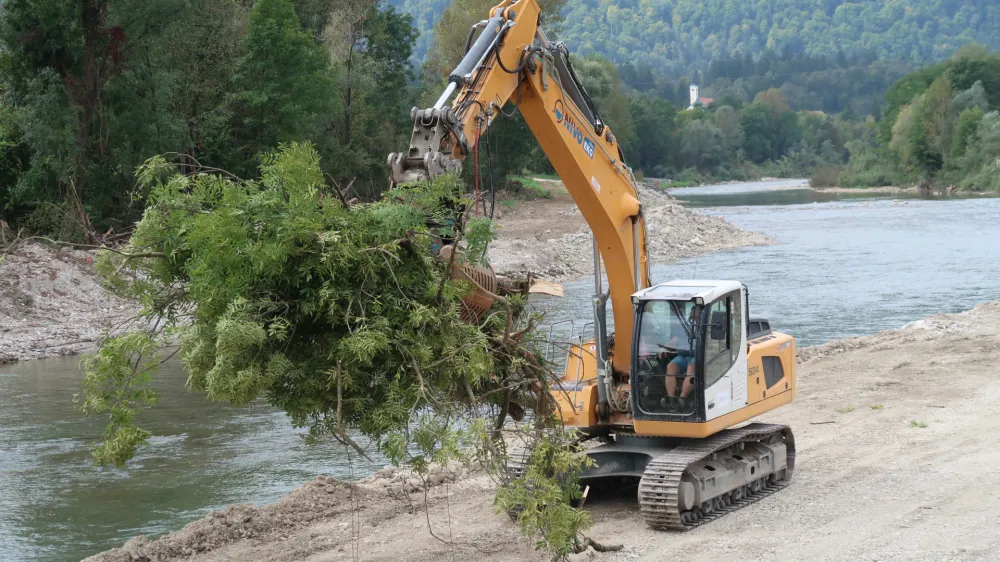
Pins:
x,y
684,36
827,55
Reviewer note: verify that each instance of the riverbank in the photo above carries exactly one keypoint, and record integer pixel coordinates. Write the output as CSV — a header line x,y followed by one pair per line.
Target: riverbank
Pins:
x,y
894,456
885,189
896,190
550,238
52,304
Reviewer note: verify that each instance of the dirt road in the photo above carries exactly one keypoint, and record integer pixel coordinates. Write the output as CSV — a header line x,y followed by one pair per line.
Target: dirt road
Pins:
x,y
898,459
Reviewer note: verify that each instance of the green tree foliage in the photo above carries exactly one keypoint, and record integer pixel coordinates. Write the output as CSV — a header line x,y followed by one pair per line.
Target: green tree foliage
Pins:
x,y
826,55
343,316
965,131
702,146
653,119
937,126
369,49
68,62
770,129
684,36
728,123
93,89
282,85
688,34
930,132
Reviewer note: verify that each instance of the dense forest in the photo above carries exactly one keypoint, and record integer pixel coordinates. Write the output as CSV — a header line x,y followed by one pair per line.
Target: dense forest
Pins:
x,y
941,126
685,36
825,55
89,90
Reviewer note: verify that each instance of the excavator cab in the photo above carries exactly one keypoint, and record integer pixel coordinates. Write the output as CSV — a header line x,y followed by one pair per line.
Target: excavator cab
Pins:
x,y
689,350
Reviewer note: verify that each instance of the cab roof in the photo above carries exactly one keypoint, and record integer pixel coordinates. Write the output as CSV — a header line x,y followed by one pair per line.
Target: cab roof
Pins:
x,y
686,290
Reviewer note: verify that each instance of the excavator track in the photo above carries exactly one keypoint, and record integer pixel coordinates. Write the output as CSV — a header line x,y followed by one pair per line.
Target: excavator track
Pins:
x,y
661,481
517,462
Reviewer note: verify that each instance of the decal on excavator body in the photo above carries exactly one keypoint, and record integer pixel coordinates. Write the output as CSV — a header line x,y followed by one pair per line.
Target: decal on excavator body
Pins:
x,y
562,116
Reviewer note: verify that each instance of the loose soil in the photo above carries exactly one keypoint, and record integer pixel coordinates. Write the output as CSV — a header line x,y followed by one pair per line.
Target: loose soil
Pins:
x,y
898,444
549,237
52,304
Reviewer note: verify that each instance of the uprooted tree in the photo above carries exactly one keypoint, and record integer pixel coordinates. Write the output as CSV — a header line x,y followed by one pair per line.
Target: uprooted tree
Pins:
x,y
343,315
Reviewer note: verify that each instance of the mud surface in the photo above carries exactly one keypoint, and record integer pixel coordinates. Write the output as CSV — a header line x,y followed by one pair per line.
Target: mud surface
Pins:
x,y
897,449
52,304
550,237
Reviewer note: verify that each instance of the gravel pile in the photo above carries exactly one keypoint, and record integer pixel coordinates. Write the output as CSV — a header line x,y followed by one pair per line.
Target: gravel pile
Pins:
x,y
674,232
52,304
928,329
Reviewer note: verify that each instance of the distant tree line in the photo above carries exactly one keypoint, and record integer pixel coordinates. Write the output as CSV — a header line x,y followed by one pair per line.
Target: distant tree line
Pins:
x,y
941,126
90,89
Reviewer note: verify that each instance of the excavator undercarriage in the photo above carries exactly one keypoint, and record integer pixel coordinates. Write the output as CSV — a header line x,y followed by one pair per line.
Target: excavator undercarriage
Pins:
x,y
685,483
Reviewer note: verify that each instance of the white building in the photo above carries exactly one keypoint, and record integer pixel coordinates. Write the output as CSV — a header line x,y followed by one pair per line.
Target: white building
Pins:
x,y
696,99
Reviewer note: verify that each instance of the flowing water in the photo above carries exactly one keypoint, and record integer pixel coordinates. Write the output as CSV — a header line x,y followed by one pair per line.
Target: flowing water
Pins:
x,y
55,505
843,265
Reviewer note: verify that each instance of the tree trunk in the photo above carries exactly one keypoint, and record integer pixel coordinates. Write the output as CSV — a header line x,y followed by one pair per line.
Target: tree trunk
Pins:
x,y
348,92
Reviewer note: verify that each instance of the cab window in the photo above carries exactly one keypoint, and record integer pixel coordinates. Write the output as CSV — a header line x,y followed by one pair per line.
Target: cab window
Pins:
x,y
718,351
667,334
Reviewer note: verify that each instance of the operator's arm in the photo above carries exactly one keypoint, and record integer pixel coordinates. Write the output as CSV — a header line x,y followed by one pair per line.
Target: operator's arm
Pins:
x,y
512,61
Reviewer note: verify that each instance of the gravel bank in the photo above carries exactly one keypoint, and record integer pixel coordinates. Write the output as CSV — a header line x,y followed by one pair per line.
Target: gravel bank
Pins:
x,y
51,304
563,250
897,449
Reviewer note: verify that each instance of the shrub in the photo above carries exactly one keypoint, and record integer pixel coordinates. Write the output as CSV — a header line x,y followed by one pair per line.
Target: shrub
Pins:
x,y
825,176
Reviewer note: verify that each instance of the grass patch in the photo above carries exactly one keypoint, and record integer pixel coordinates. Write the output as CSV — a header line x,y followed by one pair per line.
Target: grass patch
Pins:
x,y
920,424
508,203
876,407
849,408
685,183
528,188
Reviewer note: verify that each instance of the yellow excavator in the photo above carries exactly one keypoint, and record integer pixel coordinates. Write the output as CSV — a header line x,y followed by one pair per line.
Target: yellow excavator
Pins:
x,y
666,394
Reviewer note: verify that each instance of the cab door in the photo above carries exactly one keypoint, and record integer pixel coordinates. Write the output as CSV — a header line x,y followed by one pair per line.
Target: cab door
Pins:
x,y
725,356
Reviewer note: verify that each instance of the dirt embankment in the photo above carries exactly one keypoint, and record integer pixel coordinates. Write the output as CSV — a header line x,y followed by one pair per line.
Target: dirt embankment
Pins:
x,y
52,304
898,443
550,237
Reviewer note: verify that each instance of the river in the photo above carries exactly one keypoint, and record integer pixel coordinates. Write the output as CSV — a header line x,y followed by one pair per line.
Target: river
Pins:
x,y
843,265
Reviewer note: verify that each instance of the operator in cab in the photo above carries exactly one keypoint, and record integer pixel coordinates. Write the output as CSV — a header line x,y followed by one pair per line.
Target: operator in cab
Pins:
x,y
668,336
682,343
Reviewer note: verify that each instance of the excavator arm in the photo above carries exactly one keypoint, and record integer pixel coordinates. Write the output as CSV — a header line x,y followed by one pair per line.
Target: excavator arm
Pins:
x,y
513,61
